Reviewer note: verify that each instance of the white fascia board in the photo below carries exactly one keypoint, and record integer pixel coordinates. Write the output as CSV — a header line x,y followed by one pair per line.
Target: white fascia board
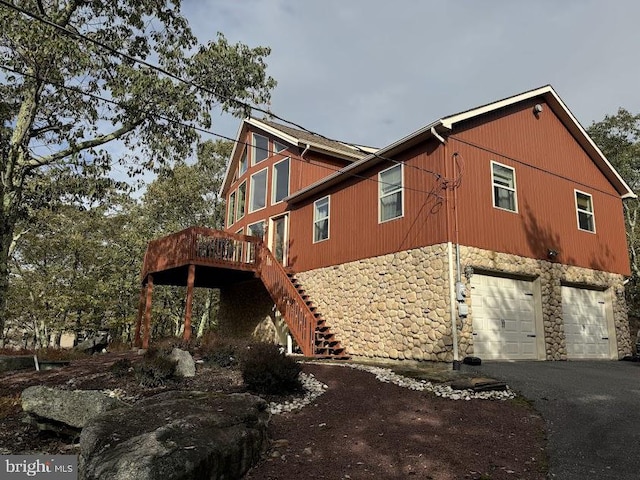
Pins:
x,y
274,131
363,163
228,178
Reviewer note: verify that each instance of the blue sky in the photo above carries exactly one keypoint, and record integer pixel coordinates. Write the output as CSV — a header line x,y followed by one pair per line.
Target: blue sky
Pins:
x,y
372,71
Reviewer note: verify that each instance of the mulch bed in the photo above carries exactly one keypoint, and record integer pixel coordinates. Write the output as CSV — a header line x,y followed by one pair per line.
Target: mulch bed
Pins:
x,y
359,429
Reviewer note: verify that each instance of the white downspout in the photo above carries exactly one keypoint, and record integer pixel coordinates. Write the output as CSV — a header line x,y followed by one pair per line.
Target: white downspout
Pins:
x,y
453,303
306,149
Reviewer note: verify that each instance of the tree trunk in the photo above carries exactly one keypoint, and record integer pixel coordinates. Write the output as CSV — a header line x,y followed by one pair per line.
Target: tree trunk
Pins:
x,y
7,225
206,314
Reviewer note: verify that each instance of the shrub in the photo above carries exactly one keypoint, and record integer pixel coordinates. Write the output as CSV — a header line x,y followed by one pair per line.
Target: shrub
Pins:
x,y
120,368
267,370
154,371
222,351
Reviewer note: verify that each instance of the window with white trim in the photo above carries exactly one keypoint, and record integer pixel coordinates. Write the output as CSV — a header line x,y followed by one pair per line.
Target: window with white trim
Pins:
x,y
231,209
503,179
321,219
584,212
258,191
242,166
256,229
390,193
280,180
278,147
242,196
260,149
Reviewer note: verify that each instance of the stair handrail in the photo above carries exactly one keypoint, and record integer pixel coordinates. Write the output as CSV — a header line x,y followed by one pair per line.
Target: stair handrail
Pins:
x,y
295,311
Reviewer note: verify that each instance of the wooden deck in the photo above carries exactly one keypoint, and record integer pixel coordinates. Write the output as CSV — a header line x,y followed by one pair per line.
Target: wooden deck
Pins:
x,y
222,259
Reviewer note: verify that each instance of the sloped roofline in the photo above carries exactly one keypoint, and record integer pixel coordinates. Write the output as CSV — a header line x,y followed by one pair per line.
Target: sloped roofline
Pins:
x,y
357,153
447,124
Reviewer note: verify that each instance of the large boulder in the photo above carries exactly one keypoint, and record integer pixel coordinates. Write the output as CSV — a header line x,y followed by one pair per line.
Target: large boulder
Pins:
x,y
94,343
65,411
176,435
185,366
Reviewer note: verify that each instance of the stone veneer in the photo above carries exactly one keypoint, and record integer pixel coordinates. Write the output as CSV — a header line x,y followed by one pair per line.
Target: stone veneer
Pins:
x,y
396,306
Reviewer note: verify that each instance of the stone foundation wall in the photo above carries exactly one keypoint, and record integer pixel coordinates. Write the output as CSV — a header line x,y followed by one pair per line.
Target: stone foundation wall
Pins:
x,y
246,311
396,306
393,306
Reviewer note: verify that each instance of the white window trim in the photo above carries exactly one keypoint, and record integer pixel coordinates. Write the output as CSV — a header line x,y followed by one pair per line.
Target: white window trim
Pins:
x,y
315,220
264,228
232,215
578,210
245,153
272,231
238,217
274,177
254,148
278,150
514,189
401,189
266,190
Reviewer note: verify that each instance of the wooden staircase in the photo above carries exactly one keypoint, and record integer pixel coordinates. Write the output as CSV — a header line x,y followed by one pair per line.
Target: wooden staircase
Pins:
x,y
307,326
325,343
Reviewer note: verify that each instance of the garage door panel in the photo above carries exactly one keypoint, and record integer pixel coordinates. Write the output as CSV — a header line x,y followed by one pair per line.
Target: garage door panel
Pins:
x,y
503,318
585,323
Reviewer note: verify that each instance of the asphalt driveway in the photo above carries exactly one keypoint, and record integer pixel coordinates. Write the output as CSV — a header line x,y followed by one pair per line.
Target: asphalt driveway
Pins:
x,y
592,410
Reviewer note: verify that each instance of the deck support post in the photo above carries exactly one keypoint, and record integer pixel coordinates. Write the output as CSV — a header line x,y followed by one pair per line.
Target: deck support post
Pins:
x,y
191,278
137,341
147,313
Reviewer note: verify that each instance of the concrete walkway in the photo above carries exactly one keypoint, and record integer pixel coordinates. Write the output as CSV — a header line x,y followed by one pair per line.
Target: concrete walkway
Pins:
x,y
592,411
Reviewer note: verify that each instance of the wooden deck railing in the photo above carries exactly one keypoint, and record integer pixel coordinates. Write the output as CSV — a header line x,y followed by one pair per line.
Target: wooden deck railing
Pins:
x,y
296,313
202,246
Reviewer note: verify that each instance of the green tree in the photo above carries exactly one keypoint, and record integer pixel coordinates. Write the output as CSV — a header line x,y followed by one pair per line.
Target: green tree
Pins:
x,y
53,82
618,136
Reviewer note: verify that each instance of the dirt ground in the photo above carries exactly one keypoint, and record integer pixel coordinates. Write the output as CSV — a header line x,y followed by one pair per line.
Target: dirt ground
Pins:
x,y
359,429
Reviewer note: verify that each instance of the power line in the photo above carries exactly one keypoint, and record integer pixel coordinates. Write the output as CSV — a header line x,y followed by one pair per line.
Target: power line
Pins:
x,y
210,132
80,36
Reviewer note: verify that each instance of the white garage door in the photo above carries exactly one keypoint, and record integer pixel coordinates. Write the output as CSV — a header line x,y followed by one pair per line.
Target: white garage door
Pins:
x,y
503,318
585,323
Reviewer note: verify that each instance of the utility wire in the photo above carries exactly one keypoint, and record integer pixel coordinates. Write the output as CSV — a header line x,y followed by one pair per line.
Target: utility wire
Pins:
x,y
80,36
210,132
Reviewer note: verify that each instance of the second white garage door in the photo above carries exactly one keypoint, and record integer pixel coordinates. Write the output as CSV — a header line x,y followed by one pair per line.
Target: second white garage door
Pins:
x,y
503,318
585,323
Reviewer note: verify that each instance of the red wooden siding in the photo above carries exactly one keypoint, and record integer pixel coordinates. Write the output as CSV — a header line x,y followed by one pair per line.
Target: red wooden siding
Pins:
x,y
302,172
549,166
354,231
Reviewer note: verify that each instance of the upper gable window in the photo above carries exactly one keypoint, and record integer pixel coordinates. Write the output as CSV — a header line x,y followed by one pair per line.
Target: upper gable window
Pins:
x,y
584,211
280,187
231,209
278,147
242,195
242,166
503,179
260,148
391,204
258,191
321,219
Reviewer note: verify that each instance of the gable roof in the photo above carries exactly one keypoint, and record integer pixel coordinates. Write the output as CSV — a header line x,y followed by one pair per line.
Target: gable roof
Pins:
x,y
446,124
295,137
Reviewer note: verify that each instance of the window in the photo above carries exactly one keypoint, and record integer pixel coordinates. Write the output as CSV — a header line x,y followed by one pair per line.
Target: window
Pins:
x,y
256,229
242,195
390,193
260,148
258,191
231,209
504,187
242,167
584,210
280,187
321,219
278,147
